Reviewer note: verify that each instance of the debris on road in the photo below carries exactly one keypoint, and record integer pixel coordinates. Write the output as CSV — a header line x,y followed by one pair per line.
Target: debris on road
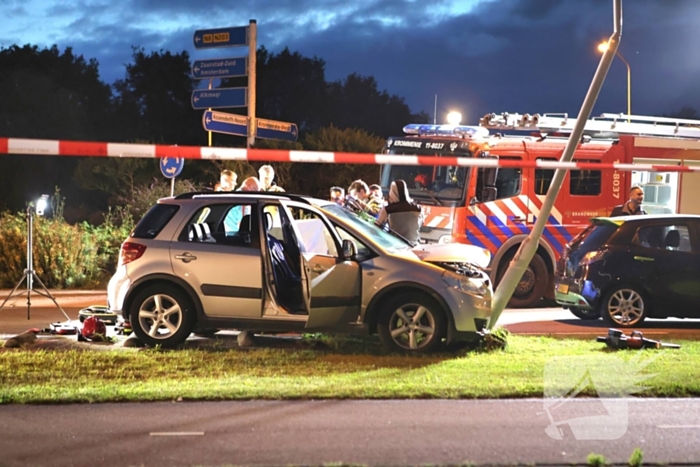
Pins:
x,y
616,339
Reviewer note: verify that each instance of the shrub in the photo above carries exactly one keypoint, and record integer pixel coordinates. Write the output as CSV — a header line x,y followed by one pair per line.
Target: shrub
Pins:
x,y
109,236
64,255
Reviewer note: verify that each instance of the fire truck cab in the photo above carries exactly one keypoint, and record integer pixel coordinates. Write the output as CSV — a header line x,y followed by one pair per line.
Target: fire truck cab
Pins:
x,y
495,207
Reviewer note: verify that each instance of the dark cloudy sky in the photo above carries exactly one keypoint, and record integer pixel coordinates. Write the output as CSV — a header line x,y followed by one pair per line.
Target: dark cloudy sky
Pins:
x,y
478,56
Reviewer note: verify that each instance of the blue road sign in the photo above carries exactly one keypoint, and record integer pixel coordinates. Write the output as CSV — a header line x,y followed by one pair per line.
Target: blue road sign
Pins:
x,y
220,122
220,68
171,167
219,98
270,129
222,37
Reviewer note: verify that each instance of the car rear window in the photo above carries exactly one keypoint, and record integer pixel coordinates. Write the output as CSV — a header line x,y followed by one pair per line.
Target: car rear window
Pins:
x,y
155,219
593,237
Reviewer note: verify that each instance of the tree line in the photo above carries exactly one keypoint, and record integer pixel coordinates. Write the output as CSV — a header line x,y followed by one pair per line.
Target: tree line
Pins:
x,y
52,94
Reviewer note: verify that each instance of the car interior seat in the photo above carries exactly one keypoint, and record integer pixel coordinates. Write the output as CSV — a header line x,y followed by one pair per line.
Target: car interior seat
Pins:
x,y
287,283
195,233
673,240
206,233
245,229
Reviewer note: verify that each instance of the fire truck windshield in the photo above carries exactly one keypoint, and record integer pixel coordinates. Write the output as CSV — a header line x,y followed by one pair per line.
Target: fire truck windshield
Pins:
x,y
436,185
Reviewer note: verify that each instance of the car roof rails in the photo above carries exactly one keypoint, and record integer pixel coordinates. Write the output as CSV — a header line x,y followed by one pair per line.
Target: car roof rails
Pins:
x,y
270,194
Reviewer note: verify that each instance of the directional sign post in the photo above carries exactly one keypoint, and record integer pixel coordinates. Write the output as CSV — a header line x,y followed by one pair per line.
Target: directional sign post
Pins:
x,y
271,129
220,68
230,124
227,68
219,98
171,167
222,37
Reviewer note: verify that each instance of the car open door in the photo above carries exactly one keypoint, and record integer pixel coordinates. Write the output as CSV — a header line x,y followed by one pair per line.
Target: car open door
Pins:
x,y
227,271
334,278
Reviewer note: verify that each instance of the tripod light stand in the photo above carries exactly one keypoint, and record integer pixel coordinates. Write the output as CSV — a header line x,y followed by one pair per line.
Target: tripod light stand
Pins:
x,y
29,273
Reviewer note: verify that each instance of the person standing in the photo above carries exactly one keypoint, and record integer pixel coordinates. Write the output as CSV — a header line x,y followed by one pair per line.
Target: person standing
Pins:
x,y
633,207
403,215
267,175
360,199
375,192
227,181
337,195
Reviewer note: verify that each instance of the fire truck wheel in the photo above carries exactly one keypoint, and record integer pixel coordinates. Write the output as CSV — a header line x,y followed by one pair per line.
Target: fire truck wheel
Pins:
x,y
532,285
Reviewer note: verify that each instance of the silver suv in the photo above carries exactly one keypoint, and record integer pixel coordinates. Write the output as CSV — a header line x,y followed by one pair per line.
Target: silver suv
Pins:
x,y
279,262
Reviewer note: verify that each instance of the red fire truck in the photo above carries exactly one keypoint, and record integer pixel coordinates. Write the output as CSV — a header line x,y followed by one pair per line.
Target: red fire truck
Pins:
x,y
495,208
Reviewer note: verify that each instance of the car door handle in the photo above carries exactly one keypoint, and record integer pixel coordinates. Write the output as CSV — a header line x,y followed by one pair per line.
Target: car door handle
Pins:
x,y
517,220
318,269
186,257
643,258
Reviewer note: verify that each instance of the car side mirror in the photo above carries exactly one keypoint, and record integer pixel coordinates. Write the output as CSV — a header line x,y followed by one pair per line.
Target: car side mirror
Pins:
x,y
349,249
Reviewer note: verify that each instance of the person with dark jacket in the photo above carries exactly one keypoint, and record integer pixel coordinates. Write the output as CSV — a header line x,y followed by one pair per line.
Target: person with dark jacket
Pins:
x,y
404,216
633,207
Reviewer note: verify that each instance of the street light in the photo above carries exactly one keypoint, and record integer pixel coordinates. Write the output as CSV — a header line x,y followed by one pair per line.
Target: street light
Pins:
x,y
41,204
602,47
454,118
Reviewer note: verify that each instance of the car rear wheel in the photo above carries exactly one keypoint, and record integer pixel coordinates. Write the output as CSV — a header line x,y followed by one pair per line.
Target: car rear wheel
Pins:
x,y
588,315
162,315
412,323
624,307
531,287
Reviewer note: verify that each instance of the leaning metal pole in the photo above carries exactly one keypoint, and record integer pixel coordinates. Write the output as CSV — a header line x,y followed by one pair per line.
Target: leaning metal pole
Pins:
x,y
529,246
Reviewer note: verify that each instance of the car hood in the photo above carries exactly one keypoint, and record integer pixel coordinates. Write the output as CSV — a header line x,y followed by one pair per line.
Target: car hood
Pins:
x,y
453,253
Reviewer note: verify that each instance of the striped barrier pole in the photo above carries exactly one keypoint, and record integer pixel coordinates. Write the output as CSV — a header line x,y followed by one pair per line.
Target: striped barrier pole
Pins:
x,y
40,147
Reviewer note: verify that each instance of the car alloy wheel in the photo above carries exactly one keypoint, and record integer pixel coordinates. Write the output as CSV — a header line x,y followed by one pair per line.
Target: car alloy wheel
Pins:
x,y
162,316
412,324
624,307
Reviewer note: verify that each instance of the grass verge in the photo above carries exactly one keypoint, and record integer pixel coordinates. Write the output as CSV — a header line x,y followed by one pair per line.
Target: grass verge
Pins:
x,y
341,368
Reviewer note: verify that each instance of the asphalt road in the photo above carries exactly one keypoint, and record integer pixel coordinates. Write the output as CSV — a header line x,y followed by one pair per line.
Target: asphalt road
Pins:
x,y
405,432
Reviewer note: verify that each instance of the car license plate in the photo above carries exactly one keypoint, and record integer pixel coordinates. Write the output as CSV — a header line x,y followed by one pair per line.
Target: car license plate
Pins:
x,y
563,288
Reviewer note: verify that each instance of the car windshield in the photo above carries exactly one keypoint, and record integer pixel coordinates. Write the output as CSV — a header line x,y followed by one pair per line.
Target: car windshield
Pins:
x,y
369,229
430,184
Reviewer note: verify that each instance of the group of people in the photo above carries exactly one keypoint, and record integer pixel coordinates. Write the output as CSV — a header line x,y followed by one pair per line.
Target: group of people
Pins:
x,y
227,182
400,212
265,181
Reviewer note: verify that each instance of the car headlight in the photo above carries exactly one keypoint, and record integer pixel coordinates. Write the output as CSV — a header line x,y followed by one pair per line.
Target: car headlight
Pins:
x,y
467,284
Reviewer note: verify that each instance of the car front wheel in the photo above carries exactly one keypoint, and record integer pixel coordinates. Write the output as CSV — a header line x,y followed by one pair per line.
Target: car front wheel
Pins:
x,y
162,315
624,307
582,313
412,323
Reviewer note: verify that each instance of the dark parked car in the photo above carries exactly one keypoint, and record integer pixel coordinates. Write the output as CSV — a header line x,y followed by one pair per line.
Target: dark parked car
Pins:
x,y
626,269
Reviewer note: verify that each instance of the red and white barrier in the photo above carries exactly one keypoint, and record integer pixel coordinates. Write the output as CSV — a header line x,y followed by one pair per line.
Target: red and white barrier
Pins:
x,y
39,147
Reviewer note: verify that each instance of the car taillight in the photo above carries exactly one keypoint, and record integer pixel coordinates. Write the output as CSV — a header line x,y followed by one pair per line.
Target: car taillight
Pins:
x,y
130,252
592,257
